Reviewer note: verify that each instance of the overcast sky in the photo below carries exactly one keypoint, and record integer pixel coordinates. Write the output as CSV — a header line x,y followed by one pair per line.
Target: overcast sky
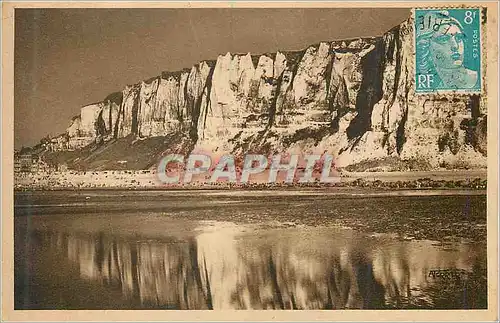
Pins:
x,y
67,58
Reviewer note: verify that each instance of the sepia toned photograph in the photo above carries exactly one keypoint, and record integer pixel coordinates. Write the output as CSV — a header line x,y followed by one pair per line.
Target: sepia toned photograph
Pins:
x,y
269,158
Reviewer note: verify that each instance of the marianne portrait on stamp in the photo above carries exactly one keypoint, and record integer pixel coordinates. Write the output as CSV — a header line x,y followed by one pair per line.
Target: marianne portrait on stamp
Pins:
x,y
441,43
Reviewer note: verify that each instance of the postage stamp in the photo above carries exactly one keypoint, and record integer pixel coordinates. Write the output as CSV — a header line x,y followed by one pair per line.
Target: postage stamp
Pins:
x,y
448,50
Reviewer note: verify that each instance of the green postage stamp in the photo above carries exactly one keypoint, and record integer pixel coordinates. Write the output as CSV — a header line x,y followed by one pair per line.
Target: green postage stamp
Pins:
x,y
448,50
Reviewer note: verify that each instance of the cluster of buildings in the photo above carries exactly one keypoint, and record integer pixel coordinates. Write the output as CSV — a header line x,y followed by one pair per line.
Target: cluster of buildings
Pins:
x,y
29,162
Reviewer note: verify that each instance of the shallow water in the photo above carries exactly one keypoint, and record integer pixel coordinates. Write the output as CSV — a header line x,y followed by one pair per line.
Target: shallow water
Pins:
x,y
181,258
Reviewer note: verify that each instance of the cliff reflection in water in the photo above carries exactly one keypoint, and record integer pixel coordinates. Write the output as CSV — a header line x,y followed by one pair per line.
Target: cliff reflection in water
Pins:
x,y
295,268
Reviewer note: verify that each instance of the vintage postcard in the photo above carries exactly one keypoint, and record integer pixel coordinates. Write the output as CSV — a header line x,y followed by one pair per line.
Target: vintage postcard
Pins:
x,y
250,161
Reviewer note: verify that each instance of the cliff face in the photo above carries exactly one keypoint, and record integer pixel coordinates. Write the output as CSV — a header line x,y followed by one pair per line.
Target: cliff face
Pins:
x,y
354,99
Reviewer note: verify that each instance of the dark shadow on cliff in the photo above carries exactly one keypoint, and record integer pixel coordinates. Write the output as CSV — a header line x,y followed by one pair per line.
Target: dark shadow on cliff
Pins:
x,y
370,91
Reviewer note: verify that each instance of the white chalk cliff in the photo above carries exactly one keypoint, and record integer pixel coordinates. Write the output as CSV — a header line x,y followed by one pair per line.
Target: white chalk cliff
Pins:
x,y
352,98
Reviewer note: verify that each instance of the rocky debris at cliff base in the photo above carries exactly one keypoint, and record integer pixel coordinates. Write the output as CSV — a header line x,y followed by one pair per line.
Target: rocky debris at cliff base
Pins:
x,y
126,153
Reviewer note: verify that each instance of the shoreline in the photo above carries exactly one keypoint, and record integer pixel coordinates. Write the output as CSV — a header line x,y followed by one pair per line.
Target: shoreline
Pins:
x,y
147,180
369,191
